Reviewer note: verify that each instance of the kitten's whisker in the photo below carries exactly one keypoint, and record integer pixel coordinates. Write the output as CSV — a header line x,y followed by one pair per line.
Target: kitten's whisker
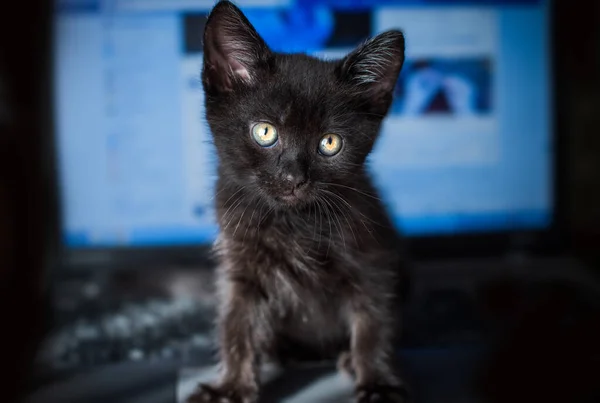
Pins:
x,y
346,215
350,207
240,220
329,235
217,193
262,202
232,215
269,211
352,188
308,224
237,200
260,216
231,197
365,114
315,224
336,223
320,224
353,164
258,224
339,197
232,207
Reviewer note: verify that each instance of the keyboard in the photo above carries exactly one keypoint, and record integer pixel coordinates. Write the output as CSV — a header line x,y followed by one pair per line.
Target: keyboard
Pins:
x,y
93,327
177,328
150,329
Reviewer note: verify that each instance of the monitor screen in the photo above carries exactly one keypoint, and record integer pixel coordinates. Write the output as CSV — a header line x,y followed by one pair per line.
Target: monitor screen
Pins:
x,y
465,148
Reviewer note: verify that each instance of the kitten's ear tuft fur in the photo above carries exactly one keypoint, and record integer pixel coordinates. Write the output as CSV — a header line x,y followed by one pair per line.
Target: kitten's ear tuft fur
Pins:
x,y
374,66
233,51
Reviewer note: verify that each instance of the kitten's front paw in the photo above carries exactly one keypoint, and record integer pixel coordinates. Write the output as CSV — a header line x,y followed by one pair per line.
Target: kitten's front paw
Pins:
x,y
222,394
382,394
345,366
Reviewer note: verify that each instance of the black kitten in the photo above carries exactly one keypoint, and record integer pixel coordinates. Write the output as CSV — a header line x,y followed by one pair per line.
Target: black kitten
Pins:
x,y
308,255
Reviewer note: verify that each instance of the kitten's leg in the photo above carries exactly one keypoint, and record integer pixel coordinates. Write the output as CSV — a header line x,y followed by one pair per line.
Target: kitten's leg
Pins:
x,y
243,322
372,356
344,364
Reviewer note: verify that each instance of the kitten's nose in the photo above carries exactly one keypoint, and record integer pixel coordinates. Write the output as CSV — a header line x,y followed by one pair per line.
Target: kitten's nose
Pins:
x,y
295,180
293,175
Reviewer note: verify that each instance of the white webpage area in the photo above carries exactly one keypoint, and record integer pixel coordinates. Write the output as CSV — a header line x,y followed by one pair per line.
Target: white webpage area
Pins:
x,y
411,140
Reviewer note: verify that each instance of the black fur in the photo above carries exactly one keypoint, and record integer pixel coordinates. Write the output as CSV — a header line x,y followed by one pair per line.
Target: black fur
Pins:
x,y
308,256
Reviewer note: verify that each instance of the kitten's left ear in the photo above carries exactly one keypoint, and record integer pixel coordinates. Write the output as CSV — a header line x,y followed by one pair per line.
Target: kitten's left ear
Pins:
x,y
374,67
234,53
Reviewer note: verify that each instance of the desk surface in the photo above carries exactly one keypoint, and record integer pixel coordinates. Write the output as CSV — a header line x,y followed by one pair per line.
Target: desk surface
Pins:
x,y
437,376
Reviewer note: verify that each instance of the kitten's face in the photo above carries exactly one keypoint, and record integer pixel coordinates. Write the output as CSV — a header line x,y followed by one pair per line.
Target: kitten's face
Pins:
x,y
288,127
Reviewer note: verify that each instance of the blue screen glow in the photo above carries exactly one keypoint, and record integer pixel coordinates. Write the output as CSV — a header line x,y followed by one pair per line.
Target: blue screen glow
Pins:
x,y
466,146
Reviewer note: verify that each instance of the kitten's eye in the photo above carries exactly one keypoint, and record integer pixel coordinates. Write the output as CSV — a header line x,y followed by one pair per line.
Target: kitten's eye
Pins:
x,y
264,134
330,144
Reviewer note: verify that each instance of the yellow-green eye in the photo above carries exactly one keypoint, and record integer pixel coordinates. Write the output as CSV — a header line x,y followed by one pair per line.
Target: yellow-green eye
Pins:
x,y
330,144
264,134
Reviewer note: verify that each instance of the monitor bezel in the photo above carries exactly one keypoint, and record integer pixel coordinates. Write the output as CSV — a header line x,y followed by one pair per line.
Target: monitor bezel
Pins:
x,y
550,240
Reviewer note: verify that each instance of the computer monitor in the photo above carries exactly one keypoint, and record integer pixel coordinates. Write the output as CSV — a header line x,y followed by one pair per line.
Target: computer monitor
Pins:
x,y
467,146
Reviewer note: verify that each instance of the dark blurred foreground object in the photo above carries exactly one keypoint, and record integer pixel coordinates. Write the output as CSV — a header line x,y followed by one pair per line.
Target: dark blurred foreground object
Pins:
x,y
551,350
578,53
22,230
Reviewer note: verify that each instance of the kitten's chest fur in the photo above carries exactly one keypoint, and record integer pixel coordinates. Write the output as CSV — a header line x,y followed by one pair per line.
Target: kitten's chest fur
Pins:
x,y
287,257
309,264
301,281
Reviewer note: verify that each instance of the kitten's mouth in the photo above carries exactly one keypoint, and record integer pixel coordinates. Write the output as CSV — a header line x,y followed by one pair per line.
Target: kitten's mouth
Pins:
x,y
289,198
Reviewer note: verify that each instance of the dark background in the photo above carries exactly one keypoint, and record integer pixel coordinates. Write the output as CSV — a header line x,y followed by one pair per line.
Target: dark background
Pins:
x,y
25,202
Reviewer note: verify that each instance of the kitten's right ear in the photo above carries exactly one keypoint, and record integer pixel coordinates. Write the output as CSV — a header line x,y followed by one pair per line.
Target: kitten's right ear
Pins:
x,y
373,68
234,53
